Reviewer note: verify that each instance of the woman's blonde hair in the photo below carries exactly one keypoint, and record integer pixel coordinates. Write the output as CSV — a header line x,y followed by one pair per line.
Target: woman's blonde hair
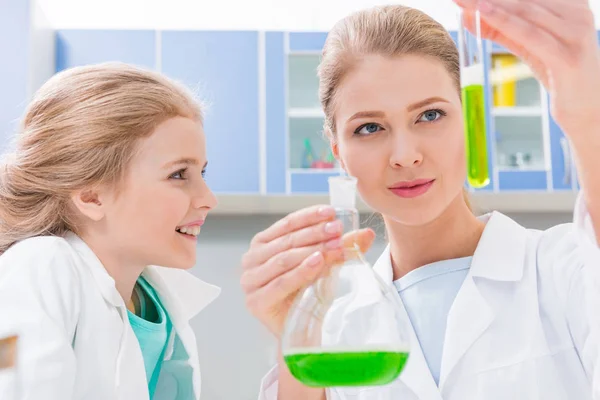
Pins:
x,y
391,31
81,129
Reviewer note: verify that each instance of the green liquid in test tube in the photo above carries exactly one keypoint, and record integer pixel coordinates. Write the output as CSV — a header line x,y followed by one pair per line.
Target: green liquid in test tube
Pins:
x,y
473,104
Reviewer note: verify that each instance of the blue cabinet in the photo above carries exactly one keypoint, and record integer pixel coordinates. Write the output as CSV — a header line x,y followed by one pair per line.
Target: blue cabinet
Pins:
x,y
276,112
84,47
222,68
14,46
519,127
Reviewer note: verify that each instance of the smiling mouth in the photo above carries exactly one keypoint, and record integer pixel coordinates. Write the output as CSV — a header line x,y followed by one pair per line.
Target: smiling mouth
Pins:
x,y
192,231
412,189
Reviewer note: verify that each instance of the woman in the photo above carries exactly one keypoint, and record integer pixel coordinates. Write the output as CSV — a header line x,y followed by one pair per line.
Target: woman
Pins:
x,y
100,209
514,312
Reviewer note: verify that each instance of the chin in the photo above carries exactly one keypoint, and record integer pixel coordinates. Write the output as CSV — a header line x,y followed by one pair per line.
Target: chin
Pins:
x,y
181,261
408,212
181,264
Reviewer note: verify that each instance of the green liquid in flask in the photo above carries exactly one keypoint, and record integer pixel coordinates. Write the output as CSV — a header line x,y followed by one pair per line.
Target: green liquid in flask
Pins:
x,y
473,99
369,367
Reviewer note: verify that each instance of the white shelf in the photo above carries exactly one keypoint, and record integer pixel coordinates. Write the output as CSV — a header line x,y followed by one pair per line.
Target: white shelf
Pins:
x,y
517,111
305,113
505,202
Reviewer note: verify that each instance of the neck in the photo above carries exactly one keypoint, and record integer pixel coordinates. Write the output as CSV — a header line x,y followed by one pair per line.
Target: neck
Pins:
x,y
124,271
453,234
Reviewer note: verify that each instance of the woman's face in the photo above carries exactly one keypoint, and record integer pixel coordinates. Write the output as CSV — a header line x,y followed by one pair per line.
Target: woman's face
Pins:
x,y
399,131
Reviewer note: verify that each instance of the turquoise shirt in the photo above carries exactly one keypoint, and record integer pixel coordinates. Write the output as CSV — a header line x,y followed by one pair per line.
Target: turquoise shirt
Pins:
x,y
427,294
151,326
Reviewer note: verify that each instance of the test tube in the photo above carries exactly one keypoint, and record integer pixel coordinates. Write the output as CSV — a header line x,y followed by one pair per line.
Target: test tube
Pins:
x,y
473,102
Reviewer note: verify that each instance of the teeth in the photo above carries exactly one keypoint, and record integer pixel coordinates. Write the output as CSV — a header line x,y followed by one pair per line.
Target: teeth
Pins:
x,y
190,230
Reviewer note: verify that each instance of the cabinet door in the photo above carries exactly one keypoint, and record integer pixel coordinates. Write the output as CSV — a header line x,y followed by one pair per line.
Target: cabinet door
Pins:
x,y
564,176
14,45
222,68
84,47
309,158
276,127
519,124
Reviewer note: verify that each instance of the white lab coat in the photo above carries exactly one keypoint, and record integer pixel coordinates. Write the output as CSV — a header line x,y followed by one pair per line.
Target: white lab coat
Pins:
x,y
75,340
525,324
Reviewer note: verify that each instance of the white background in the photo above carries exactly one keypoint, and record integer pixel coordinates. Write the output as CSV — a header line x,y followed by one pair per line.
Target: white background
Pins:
x,y
228,14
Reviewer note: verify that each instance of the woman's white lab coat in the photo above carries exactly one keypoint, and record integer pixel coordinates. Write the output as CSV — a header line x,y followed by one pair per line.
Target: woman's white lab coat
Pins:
x,y
525,324
75,341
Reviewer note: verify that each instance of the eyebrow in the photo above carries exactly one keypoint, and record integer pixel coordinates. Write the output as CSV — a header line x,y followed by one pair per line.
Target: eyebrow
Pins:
x,y
367,114
184,161
426,102
411,107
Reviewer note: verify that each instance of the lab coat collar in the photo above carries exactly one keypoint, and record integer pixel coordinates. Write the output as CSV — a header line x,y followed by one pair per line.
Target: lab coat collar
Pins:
x,y
186,294
498,256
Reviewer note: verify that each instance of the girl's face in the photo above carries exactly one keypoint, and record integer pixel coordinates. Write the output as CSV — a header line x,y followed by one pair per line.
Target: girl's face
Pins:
x,y
400,133
162,193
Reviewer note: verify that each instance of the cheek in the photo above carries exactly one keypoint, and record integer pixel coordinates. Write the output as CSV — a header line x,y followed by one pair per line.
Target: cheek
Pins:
x,y
155,209
362,159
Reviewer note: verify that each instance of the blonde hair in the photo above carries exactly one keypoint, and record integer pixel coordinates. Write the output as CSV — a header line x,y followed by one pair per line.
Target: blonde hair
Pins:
x,y
81,129
391,31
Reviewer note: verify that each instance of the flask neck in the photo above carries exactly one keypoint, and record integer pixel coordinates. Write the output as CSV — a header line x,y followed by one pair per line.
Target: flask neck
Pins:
x,y
350,222
349,218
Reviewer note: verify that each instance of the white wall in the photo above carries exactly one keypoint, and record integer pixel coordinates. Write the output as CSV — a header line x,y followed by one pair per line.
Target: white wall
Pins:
x,y
228,14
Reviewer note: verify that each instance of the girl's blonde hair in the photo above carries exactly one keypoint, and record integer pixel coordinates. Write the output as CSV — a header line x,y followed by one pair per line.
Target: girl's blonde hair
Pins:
x,y
80,130
391,31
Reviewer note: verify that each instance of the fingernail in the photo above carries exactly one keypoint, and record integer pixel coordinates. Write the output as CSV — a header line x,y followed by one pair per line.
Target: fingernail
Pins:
x,y
326,211
333,244
314,259
466,3
485,7
333,227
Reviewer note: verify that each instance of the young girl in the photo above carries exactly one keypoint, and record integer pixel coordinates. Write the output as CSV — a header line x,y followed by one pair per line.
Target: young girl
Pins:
x,y
100,206
497,311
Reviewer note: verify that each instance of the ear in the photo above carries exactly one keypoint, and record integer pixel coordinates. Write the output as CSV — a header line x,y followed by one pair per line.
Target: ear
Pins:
x,y
335,150
88,202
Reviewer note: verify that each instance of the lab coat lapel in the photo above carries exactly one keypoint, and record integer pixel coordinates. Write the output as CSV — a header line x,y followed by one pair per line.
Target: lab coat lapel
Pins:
x,y
416,374
183,296
499,257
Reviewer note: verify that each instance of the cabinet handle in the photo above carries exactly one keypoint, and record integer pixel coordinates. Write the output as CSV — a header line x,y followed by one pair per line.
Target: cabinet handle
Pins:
x,y
566,149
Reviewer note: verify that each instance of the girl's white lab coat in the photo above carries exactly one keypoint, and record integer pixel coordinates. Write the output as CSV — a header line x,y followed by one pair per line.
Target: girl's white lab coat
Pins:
x,y
75,341
525,324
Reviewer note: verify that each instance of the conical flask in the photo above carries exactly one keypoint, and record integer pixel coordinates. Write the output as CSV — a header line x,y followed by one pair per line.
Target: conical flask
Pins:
x,y
347,328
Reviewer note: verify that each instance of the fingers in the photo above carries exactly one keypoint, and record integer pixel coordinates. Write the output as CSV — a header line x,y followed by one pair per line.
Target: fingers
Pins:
x,y
510,21
294,221
304,237
363,238
287,284
493,34
284,262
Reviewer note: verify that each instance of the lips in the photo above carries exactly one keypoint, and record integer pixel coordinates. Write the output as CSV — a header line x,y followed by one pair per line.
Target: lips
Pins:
x,y
411,189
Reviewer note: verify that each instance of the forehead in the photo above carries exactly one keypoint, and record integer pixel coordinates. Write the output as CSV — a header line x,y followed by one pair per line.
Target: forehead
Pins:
x,y
174,138
380,83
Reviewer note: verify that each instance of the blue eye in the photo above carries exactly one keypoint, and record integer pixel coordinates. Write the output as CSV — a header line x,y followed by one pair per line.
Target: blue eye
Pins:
x,y
179,175
431,115
203,173
367,129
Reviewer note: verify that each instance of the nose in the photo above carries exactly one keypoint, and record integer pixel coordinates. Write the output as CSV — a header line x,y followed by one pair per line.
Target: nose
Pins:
x,y
204,197
405,151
